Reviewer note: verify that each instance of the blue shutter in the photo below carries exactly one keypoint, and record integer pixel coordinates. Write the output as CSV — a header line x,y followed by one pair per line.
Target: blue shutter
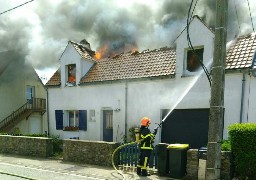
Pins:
x,y
59,119
83,120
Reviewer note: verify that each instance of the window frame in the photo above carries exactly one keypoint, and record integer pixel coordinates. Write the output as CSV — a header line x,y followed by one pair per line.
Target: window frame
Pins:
x,y
187,72
71,67
62,120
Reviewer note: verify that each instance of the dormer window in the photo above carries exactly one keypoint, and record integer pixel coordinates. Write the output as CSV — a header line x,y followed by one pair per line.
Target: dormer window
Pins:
x,y
71,75
192,60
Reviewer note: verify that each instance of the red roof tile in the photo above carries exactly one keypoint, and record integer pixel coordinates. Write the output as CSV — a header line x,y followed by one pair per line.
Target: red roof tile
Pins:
x,y
83,51
155,63
55,80
240,55
159,62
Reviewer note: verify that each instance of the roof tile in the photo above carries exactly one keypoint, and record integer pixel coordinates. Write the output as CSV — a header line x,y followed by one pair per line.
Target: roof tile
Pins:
x,y
153,63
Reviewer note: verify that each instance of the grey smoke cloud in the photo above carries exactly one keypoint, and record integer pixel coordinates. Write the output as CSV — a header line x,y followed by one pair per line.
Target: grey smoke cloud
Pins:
x,y
40,35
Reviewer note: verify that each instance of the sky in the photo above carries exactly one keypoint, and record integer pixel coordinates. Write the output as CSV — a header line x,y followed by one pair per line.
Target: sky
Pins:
x,y
39,31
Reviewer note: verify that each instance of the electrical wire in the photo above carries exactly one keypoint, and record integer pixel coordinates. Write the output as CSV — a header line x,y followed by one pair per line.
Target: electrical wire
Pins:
x,y
250,14
190,43
193,11
237,17
16,7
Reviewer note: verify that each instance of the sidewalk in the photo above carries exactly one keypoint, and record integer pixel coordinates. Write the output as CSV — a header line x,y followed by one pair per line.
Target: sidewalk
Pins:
x,y
59,166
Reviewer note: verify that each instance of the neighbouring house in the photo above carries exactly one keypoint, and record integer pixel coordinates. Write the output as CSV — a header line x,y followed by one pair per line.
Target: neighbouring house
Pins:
x,y
23,97
104,99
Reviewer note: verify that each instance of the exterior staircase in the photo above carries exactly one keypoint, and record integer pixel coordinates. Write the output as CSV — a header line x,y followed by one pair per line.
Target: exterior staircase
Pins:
x,y
31,106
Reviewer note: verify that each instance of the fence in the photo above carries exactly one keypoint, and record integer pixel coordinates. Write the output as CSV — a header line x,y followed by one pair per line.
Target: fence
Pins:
x,y
129,158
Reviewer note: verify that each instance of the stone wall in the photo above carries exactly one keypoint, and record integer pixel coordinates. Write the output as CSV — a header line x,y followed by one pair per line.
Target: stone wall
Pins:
x,y
89,152
24,145
193,164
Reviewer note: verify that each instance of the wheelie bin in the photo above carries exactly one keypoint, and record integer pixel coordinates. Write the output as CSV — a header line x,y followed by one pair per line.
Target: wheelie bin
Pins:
x,y
177,160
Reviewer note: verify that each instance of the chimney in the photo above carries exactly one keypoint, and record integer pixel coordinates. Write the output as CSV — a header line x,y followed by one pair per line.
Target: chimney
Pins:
x,y
85,44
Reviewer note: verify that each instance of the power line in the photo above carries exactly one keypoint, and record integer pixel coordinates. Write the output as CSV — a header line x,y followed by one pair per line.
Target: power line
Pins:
x,y
193,10
250,14
15,7
190,44
237,17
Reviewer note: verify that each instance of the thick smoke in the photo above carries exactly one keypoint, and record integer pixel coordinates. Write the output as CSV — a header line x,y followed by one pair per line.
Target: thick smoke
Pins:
x,y
39,31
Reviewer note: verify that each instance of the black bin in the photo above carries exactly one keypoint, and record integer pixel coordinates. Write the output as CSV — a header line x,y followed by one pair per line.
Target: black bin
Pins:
x,y
162,159
177,160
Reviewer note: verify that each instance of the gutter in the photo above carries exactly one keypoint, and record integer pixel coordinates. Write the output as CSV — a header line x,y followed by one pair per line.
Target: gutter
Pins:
x,y
242,99
253,60
243,86
47,110
126,102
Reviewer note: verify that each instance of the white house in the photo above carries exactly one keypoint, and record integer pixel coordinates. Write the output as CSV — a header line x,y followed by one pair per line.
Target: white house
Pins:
x,y
103,100
23,97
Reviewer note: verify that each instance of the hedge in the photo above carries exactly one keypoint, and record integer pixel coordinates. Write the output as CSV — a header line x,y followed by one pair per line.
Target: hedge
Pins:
x,y
243,145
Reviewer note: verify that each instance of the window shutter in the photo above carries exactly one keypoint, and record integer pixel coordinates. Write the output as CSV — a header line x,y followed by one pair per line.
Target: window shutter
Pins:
x,y
59,119
83,120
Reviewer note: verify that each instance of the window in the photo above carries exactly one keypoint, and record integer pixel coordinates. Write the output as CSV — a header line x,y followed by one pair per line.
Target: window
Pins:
x,y
71,75
71,120
193,58
109,120
30,91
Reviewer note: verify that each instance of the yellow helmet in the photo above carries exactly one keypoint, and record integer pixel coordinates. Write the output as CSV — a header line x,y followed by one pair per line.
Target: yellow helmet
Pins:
x,y
145,121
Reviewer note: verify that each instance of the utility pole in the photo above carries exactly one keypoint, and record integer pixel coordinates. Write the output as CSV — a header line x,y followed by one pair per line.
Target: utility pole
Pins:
x,y
216,119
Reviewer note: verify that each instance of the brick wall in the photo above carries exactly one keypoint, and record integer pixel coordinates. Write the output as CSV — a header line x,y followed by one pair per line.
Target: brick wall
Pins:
x,y
89,152
28,146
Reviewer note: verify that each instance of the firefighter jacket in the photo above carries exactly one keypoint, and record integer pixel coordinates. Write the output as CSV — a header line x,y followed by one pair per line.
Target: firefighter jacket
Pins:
x,y
146,138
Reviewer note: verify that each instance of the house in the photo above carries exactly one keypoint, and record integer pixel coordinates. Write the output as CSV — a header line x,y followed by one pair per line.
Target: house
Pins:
x,y
23,97
103,100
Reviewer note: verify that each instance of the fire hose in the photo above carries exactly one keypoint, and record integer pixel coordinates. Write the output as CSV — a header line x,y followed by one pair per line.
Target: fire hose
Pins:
x,y
127,144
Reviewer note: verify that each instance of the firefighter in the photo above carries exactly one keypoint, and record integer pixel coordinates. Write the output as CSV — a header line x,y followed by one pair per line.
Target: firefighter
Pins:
x,y
146,146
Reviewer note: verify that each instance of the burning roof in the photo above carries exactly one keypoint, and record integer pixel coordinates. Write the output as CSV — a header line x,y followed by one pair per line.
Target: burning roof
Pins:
x,y
130,65
155,63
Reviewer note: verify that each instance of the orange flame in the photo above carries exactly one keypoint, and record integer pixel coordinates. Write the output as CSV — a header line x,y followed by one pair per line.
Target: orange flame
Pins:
x,y
101,52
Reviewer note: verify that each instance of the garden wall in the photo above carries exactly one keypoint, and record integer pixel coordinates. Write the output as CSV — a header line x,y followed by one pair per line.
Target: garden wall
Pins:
x,y
89,152
193,164
24,145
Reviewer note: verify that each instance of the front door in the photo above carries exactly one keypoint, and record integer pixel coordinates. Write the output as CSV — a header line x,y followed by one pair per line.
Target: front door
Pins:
x,y
108,125
30,93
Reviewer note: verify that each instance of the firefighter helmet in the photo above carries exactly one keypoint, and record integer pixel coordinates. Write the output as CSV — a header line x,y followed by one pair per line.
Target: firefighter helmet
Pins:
x,y
145,121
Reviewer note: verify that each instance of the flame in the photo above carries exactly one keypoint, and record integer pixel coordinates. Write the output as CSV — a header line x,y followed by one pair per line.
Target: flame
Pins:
x,y
106,51
97,55
101,52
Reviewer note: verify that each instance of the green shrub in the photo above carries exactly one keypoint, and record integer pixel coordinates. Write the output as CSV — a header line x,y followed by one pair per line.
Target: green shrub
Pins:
x,y
243,145
225,145
57,144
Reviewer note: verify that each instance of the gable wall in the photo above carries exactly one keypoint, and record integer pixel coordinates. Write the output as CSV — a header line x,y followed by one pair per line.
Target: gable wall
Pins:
x,y
199,35
13,82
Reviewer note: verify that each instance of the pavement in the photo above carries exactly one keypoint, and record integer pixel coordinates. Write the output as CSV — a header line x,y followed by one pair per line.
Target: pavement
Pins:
x,y
60,167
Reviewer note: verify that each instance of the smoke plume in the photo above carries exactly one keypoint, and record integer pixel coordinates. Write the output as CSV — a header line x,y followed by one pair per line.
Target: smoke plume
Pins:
x,y
39,31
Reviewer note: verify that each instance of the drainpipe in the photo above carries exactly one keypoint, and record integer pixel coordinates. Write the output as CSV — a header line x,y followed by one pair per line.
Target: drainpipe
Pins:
x,y
126,94
242,98
47,110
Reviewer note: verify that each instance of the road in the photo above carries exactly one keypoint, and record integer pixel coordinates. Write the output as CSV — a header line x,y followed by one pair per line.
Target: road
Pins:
x,y
16,171
17,168
13,167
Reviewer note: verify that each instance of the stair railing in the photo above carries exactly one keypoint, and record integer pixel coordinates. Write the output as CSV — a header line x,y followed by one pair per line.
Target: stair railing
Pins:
x,y
32,104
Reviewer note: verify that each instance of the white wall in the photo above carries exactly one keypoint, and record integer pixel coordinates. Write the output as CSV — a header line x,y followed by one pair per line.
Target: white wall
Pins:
x,y
13,83
147,97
